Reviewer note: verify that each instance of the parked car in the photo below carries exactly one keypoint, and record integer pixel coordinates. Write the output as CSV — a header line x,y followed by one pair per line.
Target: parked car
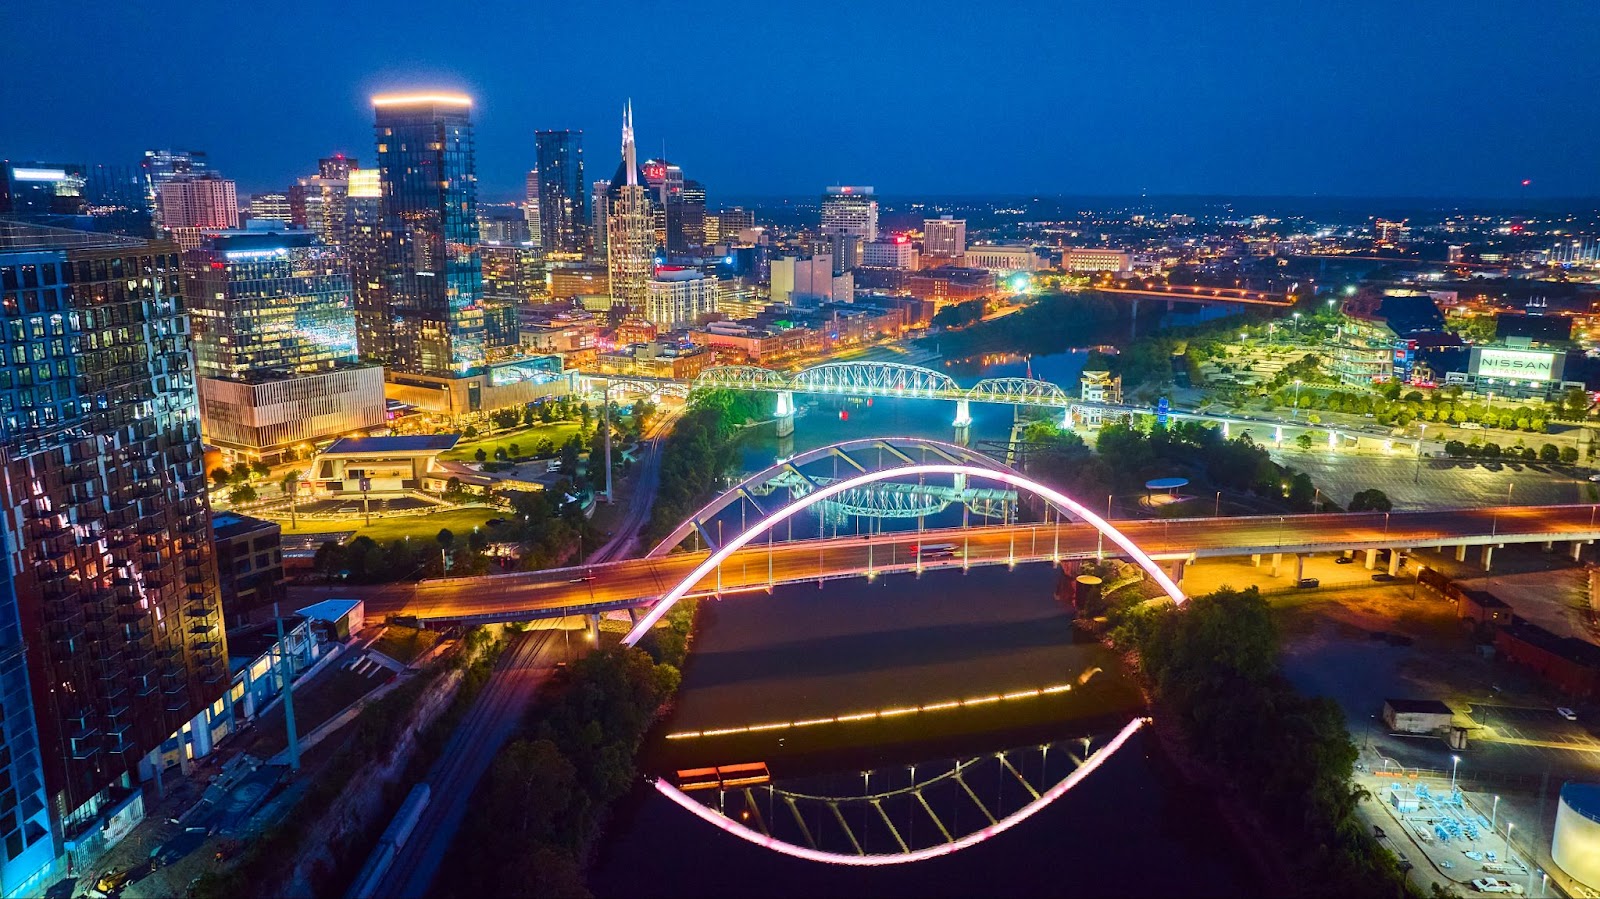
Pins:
x,y
1343,560
1496,885
1471,426
1309,582
1566,713
1384,576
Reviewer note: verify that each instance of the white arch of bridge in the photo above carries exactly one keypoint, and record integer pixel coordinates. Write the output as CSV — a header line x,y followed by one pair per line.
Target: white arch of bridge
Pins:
x,y
884,379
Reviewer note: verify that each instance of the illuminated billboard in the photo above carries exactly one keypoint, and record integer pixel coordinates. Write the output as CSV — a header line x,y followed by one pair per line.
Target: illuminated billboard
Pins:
x,y
1528,365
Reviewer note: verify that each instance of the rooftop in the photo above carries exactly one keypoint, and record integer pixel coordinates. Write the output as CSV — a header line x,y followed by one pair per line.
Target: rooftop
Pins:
x,y
428,443
1418,706
227,525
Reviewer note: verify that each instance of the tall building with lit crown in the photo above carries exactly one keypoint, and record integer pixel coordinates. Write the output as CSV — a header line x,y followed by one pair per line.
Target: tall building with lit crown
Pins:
x,y
530,210
563,194
111,639
630,226
678,297
849,210
364,234
432,284
599,211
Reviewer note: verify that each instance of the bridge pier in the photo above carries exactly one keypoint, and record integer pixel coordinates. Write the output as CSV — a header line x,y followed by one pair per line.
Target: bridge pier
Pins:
x,y
1394,561
1255,559
1577,550
1372,559
785,413
1175,570
963,422
1461,552
1488,556
1299,568
1277,559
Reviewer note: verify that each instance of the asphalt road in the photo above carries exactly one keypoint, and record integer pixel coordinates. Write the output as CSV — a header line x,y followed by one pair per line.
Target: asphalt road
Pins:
x,y
755,567
1458,483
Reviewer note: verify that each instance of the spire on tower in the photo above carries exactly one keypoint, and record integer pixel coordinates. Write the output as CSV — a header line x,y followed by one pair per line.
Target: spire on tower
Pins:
x,y
629,156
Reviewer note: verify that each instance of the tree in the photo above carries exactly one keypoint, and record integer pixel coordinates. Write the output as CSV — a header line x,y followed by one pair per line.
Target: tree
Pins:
x,y
220,477
260,469
1304,440
585,415
1549,453
479,454
445,538
1455,449
514,450
242,494
1491,450
471,433
1372,500
1569,454
529,417
453,486
500,454
290,485
241,473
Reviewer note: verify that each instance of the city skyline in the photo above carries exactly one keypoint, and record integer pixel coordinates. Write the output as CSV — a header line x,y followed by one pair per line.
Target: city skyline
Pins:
x,y
1173,101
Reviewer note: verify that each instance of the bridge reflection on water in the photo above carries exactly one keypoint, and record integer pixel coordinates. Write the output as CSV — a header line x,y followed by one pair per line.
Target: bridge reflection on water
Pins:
x,y
897,642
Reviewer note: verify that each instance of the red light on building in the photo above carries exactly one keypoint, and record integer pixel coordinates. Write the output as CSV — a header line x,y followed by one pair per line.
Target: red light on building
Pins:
x,y
844,415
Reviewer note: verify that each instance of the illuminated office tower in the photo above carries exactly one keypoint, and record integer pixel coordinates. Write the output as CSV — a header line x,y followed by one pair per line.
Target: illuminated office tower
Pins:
x,y
944,238
850,210
630,227
364,233
269,206
326,199
275,342
563,194
111,639
161,166
432,279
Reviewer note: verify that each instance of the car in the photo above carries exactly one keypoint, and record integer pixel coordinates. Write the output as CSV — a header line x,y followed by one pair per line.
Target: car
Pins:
x,y
1566,713
1343,560
1471,426
1384,576
1496,885
1309,582
1595,478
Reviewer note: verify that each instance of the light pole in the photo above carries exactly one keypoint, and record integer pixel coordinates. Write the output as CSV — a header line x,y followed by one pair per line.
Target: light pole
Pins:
x,y
1455,762
1492,810
1296,412
1217,512
1510,826
1417,479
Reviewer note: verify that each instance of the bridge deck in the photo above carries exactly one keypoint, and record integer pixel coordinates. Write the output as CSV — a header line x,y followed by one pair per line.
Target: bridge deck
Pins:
x,y
634,582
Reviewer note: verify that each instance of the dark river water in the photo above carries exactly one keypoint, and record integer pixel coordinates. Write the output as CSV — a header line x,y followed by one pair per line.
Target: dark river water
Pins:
x,y
1130,828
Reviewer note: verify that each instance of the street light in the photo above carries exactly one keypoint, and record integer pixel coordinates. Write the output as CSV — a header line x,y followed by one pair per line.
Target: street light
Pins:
x,y
1492,810
1296,412
1455,762
1417,479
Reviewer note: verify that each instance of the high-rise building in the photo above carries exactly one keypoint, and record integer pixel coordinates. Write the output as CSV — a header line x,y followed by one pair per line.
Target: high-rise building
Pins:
x,y
678,297
599,211
894,251
563,195
192,204
432,279
944,238
364,231
324,200
530,210
275,342
111,637
161,166
269,206
686,221
630,232
731,222
88,198
850,210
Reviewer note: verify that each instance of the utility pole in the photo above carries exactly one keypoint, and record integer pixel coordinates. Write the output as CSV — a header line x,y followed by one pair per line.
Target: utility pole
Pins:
x,y
288,694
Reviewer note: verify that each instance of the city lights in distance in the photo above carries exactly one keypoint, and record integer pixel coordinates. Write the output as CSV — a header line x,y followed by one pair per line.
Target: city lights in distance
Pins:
x,y
418,99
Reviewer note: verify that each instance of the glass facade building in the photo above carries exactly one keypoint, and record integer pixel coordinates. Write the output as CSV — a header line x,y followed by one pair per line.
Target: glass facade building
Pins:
x,y
269,300
110,621
563,194
432,281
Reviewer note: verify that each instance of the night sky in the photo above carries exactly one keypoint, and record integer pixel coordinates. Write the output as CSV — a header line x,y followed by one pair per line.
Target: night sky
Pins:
x,y
1415,98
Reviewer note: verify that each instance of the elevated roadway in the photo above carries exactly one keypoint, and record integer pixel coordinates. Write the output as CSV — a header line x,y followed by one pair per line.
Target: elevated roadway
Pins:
x,y
634,583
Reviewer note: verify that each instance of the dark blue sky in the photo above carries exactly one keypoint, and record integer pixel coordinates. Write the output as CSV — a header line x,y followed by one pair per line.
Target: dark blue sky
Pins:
x,y
1414,98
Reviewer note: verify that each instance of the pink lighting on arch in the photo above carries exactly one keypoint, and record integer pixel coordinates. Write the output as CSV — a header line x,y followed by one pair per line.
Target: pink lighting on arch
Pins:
x,y
1061,501
973,839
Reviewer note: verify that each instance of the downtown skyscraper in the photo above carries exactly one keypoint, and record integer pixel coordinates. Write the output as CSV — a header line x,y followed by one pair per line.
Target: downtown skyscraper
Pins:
x,y
111,635
563,194
630,226
432,279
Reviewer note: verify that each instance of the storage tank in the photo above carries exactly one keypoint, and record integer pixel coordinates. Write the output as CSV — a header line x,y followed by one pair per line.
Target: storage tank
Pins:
x,y
1576,844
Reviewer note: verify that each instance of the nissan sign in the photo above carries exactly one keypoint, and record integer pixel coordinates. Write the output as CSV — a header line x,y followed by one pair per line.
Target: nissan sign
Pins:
x,y
1526,365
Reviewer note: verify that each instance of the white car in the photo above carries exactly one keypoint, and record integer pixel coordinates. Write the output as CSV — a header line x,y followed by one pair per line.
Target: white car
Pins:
x,y
1594,477
1496,885
1566,713
1471,426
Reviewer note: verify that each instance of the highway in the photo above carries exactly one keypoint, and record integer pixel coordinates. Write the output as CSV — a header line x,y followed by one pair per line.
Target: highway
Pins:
x,y
637,582
643,495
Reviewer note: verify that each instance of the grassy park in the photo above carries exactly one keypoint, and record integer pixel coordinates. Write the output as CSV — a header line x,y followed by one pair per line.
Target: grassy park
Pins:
x,y
398,527
525,438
